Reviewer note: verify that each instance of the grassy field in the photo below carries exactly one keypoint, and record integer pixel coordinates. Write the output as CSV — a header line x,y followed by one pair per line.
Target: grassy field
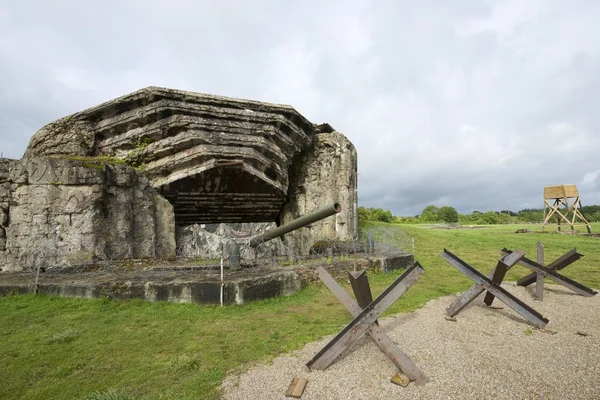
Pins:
x,y
58,348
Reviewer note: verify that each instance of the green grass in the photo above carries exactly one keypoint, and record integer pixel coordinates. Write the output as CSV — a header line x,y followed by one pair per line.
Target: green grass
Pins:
x,y
94,162
481,248
60,348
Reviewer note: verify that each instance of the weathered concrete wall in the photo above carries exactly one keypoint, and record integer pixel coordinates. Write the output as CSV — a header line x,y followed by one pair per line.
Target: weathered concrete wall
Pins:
x,y
338,269
173,286
69,212
192,284
5,193
210,241
325,173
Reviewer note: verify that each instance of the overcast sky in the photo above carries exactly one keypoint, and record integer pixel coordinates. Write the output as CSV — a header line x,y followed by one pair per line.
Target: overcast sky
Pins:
x,y
474,104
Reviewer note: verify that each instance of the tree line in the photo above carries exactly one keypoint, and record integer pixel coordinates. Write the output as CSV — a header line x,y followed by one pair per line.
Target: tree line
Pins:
x,y
447,214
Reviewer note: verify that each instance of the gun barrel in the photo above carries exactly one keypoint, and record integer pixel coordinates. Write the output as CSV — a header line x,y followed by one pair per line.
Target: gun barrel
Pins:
x,y
296,224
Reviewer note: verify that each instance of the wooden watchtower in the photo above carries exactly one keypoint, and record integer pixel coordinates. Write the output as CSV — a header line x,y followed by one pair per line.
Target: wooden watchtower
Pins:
x,y
562,202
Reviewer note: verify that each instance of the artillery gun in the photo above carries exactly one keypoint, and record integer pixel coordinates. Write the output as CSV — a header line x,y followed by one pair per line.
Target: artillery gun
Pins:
x,y
300,222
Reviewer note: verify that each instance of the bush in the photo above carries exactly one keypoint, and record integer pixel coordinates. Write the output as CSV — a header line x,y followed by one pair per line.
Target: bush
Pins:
x,y
448,214
374,214
429,214
531,215
490,218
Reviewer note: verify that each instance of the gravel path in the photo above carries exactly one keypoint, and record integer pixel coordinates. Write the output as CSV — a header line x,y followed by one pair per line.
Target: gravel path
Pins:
x,y
486,353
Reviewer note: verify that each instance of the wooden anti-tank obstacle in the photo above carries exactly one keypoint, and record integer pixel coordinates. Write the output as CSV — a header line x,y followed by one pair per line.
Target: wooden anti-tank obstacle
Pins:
x,y
563,203
366,313
491,284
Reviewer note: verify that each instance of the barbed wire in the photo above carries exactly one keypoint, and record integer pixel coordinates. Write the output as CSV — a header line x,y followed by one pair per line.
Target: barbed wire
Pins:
x,y
389,240
202,248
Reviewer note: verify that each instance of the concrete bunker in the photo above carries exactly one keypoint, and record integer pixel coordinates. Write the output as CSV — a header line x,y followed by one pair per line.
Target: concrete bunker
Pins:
x,y
162,172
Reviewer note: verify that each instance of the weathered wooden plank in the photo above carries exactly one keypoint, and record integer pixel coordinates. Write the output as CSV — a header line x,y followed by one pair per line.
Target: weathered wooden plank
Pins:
x,y
361,323
510,300
296,388
400,379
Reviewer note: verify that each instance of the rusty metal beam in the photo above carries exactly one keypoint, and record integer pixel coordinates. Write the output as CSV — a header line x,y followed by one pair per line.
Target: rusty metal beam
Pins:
x,y
365,319
562,262
556,277
497,277
503,266
360,286
387,346
539,282
510,300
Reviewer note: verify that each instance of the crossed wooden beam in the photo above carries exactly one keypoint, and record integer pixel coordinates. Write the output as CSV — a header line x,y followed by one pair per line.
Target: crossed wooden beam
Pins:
x,y
539,272
366,313
573,208
491,284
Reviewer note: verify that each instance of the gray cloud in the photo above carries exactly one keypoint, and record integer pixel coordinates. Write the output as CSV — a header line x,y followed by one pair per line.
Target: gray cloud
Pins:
x,y
471,104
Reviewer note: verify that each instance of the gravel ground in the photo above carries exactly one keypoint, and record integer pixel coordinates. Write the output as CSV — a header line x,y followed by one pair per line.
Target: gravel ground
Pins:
x,y
487,353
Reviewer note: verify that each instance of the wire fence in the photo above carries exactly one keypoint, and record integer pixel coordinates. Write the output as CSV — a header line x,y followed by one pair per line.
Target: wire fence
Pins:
x,y
199,248
377,242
